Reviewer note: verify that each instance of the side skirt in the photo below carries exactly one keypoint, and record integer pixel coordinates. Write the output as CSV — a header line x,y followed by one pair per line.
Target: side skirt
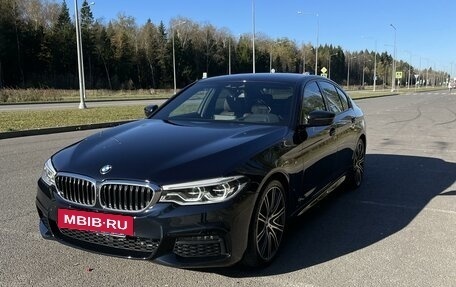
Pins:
x,y
325,191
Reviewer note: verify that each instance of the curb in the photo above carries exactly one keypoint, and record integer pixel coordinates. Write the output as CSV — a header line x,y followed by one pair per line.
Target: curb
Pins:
x,y
15,134
373,97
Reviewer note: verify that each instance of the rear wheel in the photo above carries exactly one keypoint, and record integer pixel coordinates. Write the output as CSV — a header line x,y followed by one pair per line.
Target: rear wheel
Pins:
x,y
356,174
267,226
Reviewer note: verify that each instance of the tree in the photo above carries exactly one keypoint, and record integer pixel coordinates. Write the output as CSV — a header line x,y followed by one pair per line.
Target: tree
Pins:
x,y
148,36
38,49
63,50
122,33
244,55
87,36
7,46
102,44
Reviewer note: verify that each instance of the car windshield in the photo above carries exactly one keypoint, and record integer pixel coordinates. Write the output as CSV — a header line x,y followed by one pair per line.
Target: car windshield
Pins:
x,y
249,102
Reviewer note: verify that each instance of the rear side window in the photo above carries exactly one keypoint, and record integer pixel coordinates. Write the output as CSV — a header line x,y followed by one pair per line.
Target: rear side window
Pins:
x,y
330,93
312,100
343,98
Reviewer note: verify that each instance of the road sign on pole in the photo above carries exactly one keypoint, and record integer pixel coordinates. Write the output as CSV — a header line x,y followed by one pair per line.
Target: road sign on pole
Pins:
x,y
323,72
398,75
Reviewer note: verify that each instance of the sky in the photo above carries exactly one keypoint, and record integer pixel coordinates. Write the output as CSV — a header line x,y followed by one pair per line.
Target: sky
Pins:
x,y
425,30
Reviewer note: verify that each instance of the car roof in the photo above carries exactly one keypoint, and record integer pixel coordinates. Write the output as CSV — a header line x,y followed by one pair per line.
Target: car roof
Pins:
x,y
279,77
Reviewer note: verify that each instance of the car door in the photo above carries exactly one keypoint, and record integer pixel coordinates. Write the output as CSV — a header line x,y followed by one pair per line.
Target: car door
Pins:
x,y
343,125
348,134
318,150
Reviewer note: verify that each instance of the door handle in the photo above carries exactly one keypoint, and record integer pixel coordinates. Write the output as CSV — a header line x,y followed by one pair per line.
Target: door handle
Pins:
x,y
332,131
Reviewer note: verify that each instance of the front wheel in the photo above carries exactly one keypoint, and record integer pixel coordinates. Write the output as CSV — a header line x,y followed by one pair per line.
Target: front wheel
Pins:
x,y
356,173
267,226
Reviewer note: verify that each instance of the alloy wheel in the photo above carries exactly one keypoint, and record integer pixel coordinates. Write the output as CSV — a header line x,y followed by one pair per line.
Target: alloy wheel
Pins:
x,y
270,223
358,163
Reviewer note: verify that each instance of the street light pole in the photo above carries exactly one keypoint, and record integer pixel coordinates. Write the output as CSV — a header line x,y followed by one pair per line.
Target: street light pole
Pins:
x,y
316,47
427,74
82,96
393,78
174,54
348,71
318,32
229,56
434,74
253,36
451,69
304,58
270,53
375,63
270,58
174,64
375,66
408,78
419,75
329,70
364,67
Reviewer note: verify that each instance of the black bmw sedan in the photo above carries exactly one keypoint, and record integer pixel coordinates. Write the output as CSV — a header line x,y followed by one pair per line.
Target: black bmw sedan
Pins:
x,y
211,177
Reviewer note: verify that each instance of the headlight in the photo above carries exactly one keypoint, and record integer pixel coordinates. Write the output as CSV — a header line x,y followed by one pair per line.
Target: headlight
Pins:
x,y
203,191
48,175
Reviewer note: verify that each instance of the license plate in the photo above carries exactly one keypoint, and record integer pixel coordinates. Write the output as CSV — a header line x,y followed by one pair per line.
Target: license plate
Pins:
x,y
96,222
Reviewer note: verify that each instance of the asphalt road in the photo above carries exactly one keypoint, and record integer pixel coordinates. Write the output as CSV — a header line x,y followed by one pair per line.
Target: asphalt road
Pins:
x,y
398,229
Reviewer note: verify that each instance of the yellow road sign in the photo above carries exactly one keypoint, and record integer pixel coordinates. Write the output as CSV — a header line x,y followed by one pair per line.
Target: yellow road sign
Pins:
x,y
398,75
324,70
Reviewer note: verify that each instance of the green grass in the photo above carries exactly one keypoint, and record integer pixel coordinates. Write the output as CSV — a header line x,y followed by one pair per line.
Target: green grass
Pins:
x,y
15,96
28,120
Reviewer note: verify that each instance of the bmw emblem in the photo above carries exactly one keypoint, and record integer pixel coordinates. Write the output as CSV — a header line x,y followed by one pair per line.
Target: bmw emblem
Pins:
x,y
105,169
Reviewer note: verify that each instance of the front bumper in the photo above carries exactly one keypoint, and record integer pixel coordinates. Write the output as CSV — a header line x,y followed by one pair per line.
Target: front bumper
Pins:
x,y
211,235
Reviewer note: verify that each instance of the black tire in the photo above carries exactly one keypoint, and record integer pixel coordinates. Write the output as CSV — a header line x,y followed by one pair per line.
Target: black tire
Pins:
x,y
267,226
356,173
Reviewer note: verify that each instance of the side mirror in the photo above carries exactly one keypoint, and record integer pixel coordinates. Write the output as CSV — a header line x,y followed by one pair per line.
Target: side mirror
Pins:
x,y
149,110
314,119
320,118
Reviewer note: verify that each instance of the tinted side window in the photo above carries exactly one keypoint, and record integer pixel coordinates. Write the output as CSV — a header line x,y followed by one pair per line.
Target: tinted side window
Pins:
x,y
343,98
330,93
194,105
312,101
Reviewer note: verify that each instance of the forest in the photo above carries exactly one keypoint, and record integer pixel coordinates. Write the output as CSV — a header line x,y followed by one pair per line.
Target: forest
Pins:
x,y
38,50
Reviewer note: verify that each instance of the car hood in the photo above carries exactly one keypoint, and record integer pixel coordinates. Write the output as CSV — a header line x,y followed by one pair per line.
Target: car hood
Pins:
x,y
166,152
